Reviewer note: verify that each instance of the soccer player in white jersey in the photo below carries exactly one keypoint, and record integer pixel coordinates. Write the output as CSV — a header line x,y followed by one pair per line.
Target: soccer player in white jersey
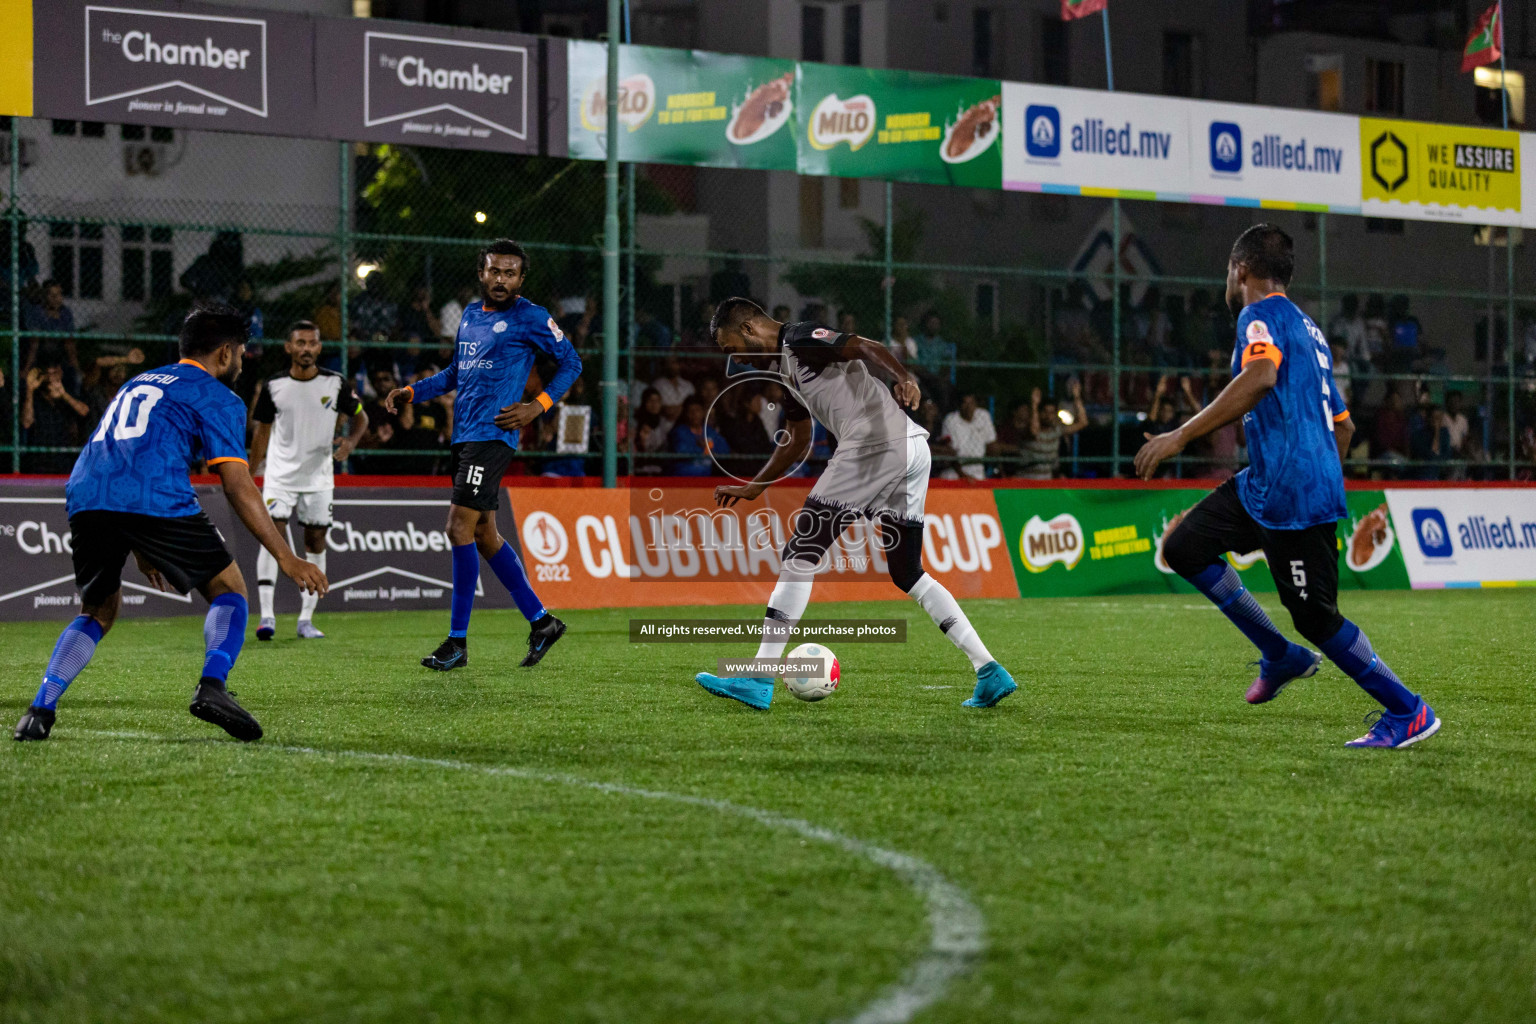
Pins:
x,y
296,434
879,472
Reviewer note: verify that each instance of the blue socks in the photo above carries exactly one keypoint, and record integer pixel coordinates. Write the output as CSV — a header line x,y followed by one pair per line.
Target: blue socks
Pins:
x,y
1350,649
70,656
1219,582
466,576
223,634
512,575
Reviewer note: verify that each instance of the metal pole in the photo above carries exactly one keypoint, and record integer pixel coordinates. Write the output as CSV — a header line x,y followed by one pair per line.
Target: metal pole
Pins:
x,y
1322,270
1109,62
1509,262
344,243
889,284
14,216
630,243
1114,441
610,381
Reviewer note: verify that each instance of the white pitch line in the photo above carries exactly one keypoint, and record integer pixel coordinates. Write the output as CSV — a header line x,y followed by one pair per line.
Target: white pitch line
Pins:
x,y
957,929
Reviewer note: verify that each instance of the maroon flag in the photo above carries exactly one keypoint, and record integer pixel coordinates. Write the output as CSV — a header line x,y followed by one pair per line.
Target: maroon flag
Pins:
x,y
1071,9
1484,46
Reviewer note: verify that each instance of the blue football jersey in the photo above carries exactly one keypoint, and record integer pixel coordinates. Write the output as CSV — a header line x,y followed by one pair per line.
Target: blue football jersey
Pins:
x,y
495,353
160,423
1293,479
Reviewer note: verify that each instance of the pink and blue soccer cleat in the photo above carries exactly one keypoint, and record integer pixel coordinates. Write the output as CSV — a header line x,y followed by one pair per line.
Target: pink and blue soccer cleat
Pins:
x,y
1395,731
1274,676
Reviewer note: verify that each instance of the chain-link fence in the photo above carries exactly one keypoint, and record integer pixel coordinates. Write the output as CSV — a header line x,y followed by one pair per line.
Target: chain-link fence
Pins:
x,y
1050,333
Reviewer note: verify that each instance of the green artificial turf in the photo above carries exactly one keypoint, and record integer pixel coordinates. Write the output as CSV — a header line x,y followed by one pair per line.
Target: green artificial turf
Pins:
x,y
1142,845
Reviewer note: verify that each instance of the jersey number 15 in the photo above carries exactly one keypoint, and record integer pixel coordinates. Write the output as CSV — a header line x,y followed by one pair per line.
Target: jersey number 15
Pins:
x,y
128,415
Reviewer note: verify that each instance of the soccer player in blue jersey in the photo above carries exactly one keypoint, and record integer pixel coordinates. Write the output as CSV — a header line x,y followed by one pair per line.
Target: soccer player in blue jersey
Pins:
x,y
129,494
497,341
1289,499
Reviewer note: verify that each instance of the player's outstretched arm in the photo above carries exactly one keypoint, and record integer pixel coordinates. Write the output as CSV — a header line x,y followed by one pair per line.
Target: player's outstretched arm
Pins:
x,y
784,456
906,390
245,499
1236,400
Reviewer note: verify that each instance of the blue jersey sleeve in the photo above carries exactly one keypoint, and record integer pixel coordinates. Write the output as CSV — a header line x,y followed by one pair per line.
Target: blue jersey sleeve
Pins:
x,y
1336,400
222,430
439,383
548,337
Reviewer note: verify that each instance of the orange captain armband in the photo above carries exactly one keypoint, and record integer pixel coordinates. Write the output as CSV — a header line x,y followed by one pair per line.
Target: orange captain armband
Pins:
x,y
543,399
1260,344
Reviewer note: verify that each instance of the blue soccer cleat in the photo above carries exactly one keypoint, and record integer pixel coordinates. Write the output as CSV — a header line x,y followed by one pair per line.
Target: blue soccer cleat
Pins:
x,y
993,683
266,629
1393,731
1274,676
753,692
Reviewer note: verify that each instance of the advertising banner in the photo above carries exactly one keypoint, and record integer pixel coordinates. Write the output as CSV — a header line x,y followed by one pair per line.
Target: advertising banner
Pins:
x,y
1467,538
16,59
591,548
182,65
1274,158
683,107
1440,172
1074,543
905,126
417,84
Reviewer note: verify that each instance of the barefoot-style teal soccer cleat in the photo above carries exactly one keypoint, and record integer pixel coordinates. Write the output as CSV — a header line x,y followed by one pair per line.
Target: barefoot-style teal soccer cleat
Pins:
x,y
753,692
1274,676
1393,731
993,683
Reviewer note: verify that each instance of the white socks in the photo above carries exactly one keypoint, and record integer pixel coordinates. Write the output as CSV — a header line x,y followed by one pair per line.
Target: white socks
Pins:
x,y
307,599
789,598
266,580
945,611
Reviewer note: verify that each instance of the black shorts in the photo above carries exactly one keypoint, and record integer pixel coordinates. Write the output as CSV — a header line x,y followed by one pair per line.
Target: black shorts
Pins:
x,y
478,467
1304,563
187,550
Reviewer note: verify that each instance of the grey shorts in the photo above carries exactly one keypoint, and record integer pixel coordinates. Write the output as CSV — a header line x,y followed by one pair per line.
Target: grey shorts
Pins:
x,y
889,480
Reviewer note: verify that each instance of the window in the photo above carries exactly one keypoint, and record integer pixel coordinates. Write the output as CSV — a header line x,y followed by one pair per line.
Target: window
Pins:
x,y
146,263
848,193
65,127
84,129
1491,85
75,259
132,132
1383,226
1183,64
812,201
1325,81
1055,52
813,33
985,50
162,135
1383,87
853,35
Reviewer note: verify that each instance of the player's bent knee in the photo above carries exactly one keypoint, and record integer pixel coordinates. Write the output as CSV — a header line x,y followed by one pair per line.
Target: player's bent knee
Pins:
x,y
105,613
1317,626
1185,554
230,581
904,561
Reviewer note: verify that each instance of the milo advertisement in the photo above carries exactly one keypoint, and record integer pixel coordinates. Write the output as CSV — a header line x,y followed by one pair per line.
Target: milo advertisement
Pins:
x,y
684,107
906,126
1076,543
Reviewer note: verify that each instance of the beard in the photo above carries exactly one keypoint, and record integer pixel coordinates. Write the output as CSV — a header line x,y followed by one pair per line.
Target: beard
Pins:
x,y
1235,304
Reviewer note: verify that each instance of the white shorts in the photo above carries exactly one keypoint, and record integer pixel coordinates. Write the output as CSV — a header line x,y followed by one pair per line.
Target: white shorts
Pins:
x,y
310,508
888,479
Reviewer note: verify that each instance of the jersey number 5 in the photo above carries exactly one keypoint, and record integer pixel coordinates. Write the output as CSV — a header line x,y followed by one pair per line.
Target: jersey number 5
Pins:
x,y
128,415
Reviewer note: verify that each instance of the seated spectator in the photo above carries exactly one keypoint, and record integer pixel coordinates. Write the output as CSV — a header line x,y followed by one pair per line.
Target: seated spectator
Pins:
x,y
1343,373
1042,453
1457,426
100,394
417,319
50,315
674,389
1011,437
741,421
649,331
327,315
901,343
373,316
693,437
1390,438
969,430
52,416
407,359
244,300
1431,443
928,418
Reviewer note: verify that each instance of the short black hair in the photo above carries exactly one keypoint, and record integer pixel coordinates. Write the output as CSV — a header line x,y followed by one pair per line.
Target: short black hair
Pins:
x,y
302,325
1268,253
731,314
503,247
209,327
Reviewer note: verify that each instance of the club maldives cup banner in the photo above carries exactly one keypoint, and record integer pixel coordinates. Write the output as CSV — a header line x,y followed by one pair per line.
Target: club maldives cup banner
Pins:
x,y
683,107
183,65
905,126
665,546
1075,543
423,85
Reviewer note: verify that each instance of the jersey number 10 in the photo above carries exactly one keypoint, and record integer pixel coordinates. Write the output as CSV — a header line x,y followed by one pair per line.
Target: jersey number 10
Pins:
x,y
128,415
